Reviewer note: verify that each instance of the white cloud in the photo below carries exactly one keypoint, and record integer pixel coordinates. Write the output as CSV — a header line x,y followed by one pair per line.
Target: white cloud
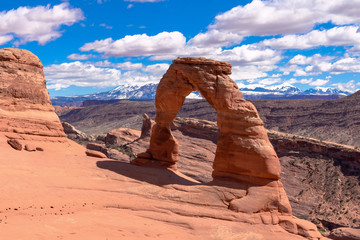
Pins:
x,y
246,72
315,59
350,86
275,17
41,24
337,36
319,82
291,81
285,17
305,81
5,39
138,45
348,64
159,68
269,81
76,56
250,55
215,38
105,26
87,74
122,66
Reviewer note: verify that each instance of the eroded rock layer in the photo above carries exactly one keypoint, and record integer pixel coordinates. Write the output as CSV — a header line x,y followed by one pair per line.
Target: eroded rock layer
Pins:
x,y
25,108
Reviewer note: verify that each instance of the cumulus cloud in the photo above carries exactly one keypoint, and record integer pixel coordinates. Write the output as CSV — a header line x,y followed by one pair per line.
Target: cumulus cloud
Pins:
x,y
80,74
138,45
318,64
41,23
337,36
269,81
216,38
319,82
122,66
5,39
281,17
247,72
249,55
348,64
285,17
315,59
76,56
350,86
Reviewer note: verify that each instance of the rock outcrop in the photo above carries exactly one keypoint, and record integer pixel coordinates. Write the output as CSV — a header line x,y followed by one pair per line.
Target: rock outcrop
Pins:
x,y
121,136
76,134
26,112
345,234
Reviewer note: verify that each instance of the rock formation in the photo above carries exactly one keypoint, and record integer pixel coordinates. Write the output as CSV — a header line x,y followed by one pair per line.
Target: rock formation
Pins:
x,y
26,112
244,151
75,134
121,136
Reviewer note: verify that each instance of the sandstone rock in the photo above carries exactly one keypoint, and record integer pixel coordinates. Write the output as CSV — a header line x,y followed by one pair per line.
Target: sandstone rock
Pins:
x,y
92,153
97,147
30,147
110,153
147,126
24,101
15,144
243,146
101,137
39,149
121,136
116,155
74,133
345,234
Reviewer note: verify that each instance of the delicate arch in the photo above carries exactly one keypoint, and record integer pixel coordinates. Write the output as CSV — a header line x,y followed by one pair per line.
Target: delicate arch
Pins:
x,y
243,151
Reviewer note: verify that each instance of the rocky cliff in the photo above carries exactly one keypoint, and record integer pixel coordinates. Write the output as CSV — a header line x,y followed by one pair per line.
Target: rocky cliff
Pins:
x,y
26,112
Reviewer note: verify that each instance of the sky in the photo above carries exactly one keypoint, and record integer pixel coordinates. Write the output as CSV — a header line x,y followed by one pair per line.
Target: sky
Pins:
x,y
89,46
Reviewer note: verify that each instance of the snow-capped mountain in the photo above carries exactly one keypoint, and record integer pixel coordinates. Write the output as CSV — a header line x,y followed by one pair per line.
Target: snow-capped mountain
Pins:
x,y
284,91
325,91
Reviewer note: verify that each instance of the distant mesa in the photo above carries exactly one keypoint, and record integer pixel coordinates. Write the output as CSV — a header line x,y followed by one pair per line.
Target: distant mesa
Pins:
x,y
26,112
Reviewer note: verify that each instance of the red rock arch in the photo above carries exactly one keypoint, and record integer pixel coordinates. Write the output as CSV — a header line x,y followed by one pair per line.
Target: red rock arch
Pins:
x,y
243,151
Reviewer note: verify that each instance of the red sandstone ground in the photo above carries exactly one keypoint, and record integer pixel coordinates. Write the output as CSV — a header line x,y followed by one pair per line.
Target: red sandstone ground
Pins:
x,y
62,194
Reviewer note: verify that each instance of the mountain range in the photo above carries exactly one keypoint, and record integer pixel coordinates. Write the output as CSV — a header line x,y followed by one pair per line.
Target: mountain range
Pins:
x,y
284,91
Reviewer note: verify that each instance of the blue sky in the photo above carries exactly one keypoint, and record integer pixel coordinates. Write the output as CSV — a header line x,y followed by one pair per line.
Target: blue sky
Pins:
x,y
91,46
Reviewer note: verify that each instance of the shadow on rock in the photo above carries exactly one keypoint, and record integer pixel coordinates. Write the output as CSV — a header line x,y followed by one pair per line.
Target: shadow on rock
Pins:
x,y
155,176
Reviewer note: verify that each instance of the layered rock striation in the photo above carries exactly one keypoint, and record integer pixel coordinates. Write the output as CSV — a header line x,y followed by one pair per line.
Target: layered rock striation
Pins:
x,y
26,112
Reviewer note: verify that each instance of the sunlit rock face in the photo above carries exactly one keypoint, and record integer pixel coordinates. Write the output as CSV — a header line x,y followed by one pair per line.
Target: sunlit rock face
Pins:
x,y
25,108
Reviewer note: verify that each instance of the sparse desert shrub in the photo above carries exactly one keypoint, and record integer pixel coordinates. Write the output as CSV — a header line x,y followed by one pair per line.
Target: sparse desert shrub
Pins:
x,y
123,148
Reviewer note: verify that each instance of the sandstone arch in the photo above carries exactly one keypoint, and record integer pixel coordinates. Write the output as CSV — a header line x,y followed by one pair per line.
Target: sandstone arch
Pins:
x,y
243,151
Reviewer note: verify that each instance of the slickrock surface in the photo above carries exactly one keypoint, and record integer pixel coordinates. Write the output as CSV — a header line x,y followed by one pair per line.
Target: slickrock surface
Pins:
x,y
63,194
322,187
26,112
